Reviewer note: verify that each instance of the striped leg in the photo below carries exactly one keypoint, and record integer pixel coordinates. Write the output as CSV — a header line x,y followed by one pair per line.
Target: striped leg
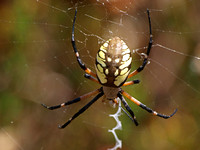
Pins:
x,y
148,50
91,78
82,110
128,109
81,64
145,107
74,101
131,82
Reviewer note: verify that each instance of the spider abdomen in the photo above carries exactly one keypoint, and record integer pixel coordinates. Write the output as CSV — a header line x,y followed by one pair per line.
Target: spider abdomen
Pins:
x,y
113,62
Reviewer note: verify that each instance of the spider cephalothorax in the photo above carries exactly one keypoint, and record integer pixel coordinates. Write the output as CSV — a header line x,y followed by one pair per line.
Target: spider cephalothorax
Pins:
x,y
113,64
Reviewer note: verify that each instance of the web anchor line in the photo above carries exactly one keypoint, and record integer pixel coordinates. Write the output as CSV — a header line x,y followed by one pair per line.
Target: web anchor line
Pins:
x,y
175,51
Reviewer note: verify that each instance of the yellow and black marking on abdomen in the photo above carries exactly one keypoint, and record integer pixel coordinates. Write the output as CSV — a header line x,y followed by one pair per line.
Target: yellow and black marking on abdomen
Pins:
x,y
113,62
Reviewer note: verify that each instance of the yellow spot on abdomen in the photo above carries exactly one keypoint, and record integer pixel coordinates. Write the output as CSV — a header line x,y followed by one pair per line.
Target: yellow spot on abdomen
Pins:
x,y
106,71
109,59
100,68
117,60
124,71
125,64
105,44
116,72
120,79
101,76
101,61
102,54
125,57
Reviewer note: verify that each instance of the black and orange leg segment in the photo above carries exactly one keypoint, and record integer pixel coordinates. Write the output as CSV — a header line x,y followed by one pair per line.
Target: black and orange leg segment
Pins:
x,y
74,100
91,78
140,68
82,110
131,82
145,107
128,109
145,61
81,64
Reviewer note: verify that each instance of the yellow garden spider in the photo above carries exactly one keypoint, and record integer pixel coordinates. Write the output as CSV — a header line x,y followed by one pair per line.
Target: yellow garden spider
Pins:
x,y
113,64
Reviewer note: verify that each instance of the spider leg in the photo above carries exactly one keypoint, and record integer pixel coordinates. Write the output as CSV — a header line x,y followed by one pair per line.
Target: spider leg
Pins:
x,y
145,107
81,110
128,108
74,100
81,64
127,113
148,50
131,82
91,78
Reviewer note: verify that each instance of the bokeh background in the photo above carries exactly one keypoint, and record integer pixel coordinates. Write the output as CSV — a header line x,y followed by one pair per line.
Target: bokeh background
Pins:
x,y
37,65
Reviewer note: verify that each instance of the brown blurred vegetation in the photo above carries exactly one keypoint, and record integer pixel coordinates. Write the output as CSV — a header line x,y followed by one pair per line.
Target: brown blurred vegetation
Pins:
x,y
37,66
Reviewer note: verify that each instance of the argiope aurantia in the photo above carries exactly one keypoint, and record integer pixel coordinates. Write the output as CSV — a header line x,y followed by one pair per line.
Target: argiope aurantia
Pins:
x,y
113,64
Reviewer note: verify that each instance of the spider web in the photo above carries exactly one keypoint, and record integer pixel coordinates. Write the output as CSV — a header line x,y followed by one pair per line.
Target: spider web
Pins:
x,y
38,66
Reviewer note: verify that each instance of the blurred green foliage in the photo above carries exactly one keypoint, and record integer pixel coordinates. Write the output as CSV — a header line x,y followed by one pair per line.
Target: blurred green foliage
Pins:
x,y
37,65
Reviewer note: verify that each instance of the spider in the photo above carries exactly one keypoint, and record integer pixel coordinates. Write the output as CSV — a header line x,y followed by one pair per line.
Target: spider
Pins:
x,y
113,65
